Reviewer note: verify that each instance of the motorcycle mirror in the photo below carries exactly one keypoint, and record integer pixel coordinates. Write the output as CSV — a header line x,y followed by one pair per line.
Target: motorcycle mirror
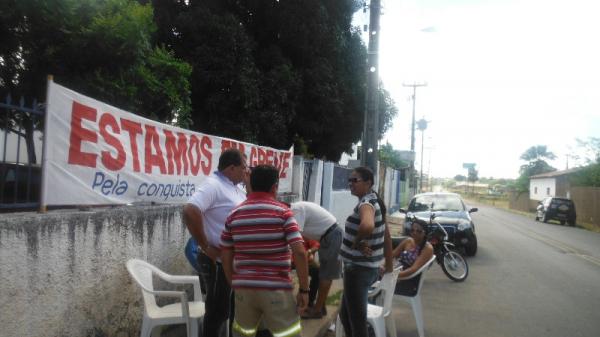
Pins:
x,y
474,209
402,210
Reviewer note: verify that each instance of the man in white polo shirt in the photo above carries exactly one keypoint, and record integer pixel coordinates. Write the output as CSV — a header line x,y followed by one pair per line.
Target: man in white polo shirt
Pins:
x,y
205,215
317,223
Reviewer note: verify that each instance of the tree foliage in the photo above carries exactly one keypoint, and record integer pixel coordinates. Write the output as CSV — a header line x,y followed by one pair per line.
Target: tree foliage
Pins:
x,y
587,176
473,175
274,72
391,157
590,174
460,177
535,156
590,148
537,152
105,49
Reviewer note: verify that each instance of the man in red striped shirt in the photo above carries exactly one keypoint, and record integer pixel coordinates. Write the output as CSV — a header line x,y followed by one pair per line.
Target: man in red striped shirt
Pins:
x,y
256,259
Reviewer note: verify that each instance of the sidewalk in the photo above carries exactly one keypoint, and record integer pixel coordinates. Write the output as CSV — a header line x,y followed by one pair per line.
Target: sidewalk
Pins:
x,y
315,327
310,327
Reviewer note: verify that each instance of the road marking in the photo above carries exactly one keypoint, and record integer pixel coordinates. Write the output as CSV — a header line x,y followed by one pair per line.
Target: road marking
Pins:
x,y
592,259
557,244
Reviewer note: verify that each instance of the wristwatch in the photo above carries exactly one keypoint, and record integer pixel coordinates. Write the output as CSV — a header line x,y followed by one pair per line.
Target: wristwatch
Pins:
x,y
303,291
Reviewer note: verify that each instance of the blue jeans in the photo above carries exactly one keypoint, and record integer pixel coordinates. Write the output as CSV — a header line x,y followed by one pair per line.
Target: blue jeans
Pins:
x,y
353,312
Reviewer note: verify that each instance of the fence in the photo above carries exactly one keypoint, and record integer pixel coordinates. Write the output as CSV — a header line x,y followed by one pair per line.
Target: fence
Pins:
x,y
21,139
587,204
586,199
308,168
521,202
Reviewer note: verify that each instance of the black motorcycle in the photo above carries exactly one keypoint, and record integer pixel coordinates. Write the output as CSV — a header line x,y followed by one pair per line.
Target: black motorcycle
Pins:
x,y
453,264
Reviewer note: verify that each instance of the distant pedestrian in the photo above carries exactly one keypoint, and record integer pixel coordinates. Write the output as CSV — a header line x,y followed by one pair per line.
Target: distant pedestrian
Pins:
x,y
317,223
257,260
367,242
204,216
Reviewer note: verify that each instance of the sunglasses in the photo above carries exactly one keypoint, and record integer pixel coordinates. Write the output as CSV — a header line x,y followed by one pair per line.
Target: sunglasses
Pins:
x,y
417,230
353,180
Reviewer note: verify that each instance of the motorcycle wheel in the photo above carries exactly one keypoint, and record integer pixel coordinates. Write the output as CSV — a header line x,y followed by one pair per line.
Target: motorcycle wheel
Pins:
x,y
455,266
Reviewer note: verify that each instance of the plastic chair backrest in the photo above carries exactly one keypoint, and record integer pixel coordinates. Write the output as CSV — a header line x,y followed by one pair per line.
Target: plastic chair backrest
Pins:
x,y
142,271
419,272
388,283
422,271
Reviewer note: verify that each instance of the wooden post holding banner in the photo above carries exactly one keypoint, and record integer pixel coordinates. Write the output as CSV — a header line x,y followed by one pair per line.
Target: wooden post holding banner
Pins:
x,y
43,191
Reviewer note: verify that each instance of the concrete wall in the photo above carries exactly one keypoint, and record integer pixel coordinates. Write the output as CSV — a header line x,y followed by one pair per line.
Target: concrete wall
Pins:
x,y
316,182
298,175
63,273
342,204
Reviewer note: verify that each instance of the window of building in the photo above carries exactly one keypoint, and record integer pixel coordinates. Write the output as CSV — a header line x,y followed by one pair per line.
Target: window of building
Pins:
x,y
535,190
547,190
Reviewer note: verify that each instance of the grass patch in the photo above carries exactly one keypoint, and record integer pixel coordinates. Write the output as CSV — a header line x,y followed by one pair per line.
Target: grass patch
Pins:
x,y
335,298
588,226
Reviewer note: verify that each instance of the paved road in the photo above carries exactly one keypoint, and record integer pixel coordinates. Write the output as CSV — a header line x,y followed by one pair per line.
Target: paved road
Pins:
x,y
528,279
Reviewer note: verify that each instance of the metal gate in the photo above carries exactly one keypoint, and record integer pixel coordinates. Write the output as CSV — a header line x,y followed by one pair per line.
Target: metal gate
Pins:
x,y
21,133
308,168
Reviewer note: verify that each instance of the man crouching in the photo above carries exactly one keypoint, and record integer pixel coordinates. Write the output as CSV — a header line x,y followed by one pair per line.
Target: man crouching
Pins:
x,y
257,260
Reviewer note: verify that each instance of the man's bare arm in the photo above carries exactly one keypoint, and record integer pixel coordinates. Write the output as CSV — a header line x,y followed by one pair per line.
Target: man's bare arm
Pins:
x,y
192,217
301,262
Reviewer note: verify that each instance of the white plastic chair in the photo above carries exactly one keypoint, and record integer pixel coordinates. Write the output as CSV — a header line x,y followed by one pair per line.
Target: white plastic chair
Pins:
x,y
380,317
184,312
377,315
415,301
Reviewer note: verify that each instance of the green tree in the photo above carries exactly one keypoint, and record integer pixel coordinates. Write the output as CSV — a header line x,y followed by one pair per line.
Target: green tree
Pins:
x,y
587,176
473,175
391,157
460,177
274,72
387,111
104,49
535,156
591,149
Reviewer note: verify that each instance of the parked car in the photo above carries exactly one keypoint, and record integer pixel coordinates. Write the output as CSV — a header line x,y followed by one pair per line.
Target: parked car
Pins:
x,y
553,208
451,212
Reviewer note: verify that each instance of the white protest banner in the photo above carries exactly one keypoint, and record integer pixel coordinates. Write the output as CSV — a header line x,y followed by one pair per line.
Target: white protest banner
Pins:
x,y
98,154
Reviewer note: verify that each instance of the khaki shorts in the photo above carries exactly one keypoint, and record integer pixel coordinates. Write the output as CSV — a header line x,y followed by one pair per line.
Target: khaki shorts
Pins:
x,y
275,308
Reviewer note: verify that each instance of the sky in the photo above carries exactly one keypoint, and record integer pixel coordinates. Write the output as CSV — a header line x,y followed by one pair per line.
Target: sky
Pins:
x,y
502,76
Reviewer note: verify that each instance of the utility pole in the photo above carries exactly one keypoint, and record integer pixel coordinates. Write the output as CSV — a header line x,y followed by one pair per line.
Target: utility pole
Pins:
x,y
412,181
422,124
370,139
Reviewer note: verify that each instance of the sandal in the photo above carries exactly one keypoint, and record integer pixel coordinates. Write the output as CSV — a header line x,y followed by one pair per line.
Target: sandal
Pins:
x,y
310,313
